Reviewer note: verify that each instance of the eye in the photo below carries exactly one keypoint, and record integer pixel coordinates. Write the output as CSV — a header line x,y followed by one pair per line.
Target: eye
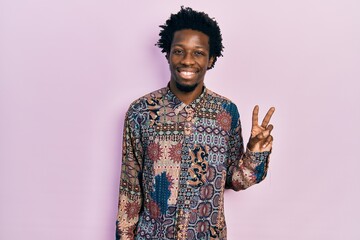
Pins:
x,y
199,53
177,51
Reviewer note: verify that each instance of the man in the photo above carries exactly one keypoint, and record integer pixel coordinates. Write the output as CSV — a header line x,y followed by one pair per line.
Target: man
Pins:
x,y
183,145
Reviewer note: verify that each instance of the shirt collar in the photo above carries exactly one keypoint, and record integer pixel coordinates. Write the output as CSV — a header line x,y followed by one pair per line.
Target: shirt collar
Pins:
x,y
177,105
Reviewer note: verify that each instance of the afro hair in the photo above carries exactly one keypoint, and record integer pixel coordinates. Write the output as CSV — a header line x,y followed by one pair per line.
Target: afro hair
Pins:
x,y
187,18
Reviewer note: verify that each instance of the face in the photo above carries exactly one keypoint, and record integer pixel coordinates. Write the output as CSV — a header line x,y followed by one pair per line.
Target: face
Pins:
x,y
189,59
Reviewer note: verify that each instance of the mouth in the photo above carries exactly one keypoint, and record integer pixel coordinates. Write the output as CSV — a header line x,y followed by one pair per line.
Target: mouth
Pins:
x,y
187,73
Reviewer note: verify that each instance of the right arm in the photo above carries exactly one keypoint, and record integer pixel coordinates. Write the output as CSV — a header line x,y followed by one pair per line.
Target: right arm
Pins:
x,y
130,194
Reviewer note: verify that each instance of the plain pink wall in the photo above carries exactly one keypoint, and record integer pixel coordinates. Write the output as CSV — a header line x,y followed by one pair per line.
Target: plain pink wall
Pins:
x,y
69,69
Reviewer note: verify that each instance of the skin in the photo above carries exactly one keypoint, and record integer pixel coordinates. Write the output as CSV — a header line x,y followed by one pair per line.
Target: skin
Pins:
x,y
189,60
261,139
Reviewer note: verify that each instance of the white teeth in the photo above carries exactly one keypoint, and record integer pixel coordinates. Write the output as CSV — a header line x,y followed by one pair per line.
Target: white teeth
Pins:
x,y
187,73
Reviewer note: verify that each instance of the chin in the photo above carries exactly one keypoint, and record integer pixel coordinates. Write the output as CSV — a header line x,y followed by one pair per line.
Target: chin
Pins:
x,y
186,88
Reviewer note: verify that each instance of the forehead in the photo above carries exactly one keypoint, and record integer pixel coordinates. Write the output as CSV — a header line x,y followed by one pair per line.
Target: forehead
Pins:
x,y
190,38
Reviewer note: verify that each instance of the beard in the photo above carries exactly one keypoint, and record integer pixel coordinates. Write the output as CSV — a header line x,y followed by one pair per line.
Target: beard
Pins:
x,y
186,88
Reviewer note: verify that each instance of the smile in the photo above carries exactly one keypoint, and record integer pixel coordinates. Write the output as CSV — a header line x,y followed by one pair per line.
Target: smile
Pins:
x,y
186,73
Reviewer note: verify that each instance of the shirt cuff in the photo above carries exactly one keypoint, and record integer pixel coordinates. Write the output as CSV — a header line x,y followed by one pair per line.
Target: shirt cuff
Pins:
x,y
258,157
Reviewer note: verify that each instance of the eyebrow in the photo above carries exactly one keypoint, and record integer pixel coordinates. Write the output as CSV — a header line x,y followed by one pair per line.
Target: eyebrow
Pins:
x,y
181,45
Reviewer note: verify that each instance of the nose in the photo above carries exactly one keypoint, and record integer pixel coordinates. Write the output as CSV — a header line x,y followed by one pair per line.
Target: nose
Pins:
x,y
187,59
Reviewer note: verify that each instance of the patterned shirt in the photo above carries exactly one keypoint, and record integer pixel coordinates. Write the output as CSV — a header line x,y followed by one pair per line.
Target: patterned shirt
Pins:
x,y
177,161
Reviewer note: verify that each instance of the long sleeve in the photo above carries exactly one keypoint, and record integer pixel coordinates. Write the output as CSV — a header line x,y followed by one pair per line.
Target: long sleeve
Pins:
x,y
130,194
245,168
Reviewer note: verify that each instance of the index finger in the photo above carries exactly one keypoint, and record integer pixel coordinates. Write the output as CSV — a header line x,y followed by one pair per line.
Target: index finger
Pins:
x,y
255,115
267,117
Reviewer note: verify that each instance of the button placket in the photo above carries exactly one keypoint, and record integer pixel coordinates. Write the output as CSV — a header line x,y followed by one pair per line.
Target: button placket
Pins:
x,y
189,120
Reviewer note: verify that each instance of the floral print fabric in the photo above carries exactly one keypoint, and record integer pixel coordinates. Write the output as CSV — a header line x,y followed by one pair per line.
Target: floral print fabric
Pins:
x,y
177,161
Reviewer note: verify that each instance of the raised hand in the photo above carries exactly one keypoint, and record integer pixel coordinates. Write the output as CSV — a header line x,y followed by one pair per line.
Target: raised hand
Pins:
x,y
261,139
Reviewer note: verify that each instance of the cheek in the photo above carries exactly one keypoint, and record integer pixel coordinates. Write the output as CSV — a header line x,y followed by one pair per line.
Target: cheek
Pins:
x,y
173,60
205,64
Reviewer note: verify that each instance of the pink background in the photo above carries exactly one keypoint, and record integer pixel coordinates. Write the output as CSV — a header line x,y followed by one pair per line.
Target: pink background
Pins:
x,y
69,69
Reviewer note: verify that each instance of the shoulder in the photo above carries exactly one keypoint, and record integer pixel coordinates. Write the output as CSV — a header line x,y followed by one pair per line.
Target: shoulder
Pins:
x,y
228,111
145,100
224,102
139,109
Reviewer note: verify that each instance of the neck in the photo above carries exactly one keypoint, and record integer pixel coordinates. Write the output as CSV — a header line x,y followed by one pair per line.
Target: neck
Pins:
x,y
186,97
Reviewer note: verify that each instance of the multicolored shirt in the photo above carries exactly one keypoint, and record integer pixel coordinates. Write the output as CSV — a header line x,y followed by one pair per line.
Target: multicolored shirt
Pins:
x,y
177,161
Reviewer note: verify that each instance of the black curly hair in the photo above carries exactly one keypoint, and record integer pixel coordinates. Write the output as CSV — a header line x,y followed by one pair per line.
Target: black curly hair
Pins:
x,y
187,18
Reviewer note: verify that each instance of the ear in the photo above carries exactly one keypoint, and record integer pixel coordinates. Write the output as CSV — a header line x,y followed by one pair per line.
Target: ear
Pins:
x,y
211,61
167,57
